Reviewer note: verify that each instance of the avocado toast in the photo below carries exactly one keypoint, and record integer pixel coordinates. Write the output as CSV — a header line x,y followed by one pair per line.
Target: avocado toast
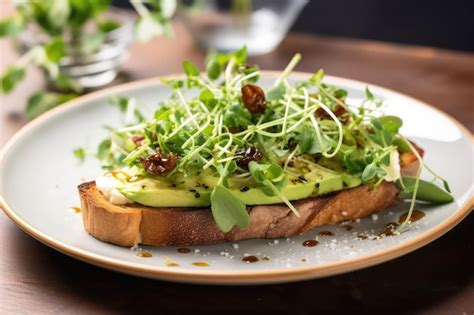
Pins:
x,y
234,161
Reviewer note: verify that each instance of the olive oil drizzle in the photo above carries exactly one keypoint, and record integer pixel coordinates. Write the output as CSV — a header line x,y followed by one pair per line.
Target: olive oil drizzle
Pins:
x,y
76,209
183,250
144,254
310,243
325,233
250,259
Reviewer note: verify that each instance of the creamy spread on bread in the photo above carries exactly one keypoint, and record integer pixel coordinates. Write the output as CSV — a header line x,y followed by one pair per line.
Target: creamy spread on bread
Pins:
x,y
107,185
393,169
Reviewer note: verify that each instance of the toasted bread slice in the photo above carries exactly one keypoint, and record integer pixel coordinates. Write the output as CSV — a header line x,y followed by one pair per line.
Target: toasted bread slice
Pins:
x,y
133,224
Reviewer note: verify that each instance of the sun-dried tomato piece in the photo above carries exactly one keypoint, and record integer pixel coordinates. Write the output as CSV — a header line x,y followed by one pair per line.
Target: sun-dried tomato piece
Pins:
x,y
235,129
159,164
338,111
250,154
254,98
138,139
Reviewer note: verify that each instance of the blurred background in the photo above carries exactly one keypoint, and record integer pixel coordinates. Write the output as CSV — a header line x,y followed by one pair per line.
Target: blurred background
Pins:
x,y
423,47
444,24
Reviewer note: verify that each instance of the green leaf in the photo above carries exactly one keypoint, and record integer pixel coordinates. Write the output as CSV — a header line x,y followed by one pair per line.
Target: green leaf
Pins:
x,y
213,69
237,116
385,120
340,94
11,26
65,83
147,27
99,6
401,144
58,13
427,191
11,77
317,77
308,142
92,42
190,69
240,56
369,94
269,177
208,98
81,11
103,149
120,101
276,93
227,210
369,173
55,49
247,69
80,153
108,26
41,102
376,123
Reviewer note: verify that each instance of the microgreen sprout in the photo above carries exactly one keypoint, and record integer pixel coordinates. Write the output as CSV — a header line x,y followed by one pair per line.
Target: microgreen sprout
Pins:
x,y
210,127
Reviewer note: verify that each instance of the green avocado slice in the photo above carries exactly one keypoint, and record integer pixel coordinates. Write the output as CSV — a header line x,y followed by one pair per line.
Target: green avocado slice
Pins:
x,y
195,190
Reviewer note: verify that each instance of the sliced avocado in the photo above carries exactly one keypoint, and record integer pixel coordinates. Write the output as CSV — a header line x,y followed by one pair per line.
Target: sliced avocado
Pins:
x,y
195,190
252,195
350,181
180,191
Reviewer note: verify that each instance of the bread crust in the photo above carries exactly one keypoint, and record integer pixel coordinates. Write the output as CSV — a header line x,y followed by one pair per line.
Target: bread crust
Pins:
x,y
133,224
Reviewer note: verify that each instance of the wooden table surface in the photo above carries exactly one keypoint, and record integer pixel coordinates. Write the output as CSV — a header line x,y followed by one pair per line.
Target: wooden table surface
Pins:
x,y
436,279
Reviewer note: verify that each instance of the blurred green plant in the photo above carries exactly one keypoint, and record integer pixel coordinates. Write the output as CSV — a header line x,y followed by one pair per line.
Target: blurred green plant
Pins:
x,y
63,23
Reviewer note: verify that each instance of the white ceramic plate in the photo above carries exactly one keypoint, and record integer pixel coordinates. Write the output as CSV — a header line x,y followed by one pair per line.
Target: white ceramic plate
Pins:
x,y
39,176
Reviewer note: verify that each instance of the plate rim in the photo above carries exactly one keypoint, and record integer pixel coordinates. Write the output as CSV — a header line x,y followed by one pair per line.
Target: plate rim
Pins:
x,y
241,277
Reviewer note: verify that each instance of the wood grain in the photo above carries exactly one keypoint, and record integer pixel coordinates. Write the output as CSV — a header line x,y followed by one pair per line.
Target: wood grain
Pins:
x,y
436,279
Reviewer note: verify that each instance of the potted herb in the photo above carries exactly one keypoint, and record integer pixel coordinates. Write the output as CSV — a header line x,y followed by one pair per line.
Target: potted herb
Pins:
x,y
78,44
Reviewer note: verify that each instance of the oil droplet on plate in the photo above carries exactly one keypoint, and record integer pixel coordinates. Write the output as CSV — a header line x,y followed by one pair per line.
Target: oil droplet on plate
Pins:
x,y
170,263
266,258
310,243
415,216
144,254
200,264
76,209
347,227
184,250
362,237
326,233
250,259
389,229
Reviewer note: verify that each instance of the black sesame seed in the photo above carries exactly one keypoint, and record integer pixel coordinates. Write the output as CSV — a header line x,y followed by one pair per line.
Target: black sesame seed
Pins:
x,y
302,178
197,195
244,188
